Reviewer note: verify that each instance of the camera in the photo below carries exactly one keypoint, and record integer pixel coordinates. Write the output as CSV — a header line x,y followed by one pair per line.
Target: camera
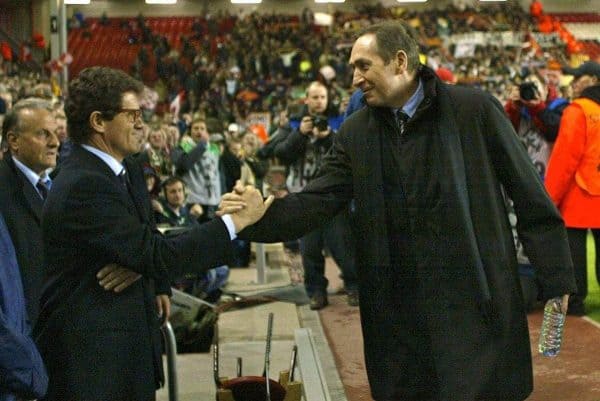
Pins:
x,y
320,122
528,91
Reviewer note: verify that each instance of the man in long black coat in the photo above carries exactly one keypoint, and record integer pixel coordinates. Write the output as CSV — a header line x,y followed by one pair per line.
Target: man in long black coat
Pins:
x,y
441,308
103,345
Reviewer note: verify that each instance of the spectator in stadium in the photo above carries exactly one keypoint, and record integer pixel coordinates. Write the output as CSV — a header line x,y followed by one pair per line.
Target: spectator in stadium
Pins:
x,y
176,212
98,344
441,308
573,179
303,151
156,154
525,104
197,161
66,145
29,130
22,372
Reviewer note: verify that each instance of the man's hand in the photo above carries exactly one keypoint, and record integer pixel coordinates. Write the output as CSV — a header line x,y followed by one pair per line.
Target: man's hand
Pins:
x,y
196,210
156,206
116,278
245,204
564,304
306,126
163,307
321,134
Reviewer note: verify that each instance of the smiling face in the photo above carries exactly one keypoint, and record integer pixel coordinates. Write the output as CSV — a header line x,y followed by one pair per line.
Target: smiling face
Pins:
x,y
383,85
123,134
34,143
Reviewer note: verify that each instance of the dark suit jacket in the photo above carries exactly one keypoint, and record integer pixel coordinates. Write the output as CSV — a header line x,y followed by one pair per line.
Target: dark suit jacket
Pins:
x,y
457,154
99,345
21,206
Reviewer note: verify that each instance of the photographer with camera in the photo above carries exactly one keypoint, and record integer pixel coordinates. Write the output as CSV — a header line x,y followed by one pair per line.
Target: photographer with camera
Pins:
x,y
525,104
302,151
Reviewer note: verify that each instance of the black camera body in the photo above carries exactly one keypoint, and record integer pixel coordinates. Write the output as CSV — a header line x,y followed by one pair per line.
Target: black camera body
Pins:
x,y
528,91
320,122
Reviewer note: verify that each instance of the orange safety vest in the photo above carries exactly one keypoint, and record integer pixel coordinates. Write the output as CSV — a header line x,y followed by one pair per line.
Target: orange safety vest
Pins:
x,y
588,171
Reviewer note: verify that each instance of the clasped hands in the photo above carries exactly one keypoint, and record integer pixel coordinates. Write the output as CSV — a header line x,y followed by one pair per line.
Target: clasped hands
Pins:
x,y
245,205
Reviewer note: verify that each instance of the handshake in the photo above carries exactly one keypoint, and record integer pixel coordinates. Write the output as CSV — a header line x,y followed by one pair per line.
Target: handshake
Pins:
x,y
245,205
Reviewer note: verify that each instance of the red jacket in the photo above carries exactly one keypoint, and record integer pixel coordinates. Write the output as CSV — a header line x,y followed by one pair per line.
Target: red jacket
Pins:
x,y
573,175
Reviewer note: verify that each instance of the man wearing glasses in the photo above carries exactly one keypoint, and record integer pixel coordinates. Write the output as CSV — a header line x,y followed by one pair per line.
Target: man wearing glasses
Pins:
x,y
99,328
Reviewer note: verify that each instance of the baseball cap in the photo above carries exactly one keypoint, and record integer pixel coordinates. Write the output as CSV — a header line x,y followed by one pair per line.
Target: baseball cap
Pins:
x,y
588,68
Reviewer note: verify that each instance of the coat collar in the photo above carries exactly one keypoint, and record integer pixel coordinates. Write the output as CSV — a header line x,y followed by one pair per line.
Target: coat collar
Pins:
x,y
31,197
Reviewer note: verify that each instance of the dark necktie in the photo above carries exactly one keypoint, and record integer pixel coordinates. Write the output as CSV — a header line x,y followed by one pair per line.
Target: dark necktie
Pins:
x,y
43,186
123,178
401,119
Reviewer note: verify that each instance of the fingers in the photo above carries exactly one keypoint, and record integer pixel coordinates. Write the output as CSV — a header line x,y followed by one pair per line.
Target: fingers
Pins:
x,y
106,270
239,187
268,202
167,307
114,277
159,308
564,305
128,281
223,210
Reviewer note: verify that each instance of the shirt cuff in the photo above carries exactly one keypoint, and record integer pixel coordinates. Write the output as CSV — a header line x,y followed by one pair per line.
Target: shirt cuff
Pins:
x,y
230,226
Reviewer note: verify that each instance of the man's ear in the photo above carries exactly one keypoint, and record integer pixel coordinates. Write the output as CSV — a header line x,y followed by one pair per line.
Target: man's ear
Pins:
x,y
401,61
97,123
12,141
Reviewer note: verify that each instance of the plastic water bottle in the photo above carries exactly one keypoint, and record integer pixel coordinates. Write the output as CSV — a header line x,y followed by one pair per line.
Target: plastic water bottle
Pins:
x,y
552,328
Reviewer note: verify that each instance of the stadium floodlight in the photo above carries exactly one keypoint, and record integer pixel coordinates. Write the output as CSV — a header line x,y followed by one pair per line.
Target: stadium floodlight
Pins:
x,y
77,1
246,1
161,1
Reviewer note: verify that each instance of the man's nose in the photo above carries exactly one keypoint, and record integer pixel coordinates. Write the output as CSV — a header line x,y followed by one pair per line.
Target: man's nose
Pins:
x,y
357,78
52,140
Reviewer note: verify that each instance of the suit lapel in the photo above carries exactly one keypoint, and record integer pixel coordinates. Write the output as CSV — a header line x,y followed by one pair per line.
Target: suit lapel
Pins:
x,y
137,190
33,200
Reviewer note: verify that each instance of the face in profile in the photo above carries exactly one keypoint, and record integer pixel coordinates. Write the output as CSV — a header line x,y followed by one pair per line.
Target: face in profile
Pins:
x,y
378,81
123,135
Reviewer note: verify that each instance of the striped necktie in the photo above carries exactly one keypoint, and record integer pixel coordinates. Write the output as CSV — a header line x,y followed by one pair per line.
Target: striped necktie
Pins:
x,y
401,119
43,186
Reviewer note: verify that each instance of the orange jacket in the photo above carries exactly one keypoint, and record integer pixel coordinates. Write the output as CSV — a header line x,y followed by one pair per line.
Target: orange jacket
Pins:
x,y
573,175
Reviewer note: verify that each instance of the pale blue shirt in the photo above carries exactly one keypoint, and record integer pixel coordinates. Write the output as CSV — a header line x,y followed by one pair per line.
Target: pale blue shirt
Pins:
x,y
32,176
117,167
410,107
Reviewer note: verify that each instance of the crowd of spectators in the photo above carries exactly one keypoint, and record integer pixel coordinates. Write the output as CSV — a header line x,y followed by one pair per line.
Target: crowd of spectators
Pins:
x,y
200,114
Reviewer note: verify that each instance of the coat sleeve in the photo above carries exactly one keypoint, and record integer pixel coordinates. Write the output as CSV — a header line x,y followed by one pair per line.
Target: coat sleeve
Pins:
x,y
100,220
539,224
566,154
321,199
22,371
291,148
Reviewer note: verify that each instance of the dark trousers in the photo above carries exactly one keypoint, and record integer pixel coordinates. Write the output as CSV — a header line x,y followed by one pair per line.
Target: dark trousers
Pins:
x,y
577,243
337,237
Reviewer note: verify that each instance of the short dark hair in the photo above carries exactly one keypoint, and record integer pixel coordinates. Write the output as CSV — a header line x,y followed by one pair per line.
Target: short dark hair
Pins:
x,y
96,89
391,36
170,181
12,121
